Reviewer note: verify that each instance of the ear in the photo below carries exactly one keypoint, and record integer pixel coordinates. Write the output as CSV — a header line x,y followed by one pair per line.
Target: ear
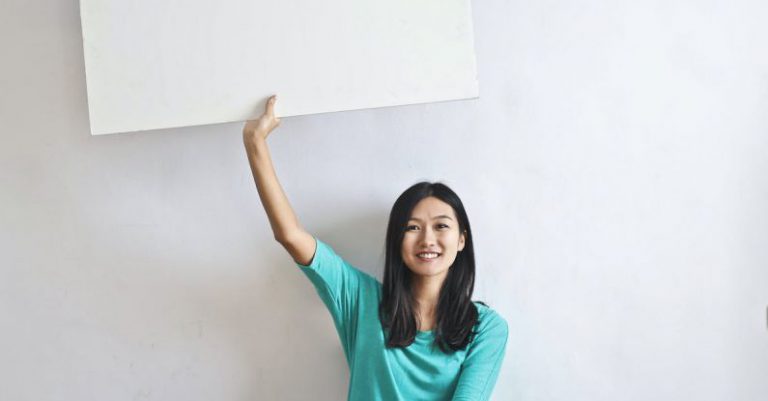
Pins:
x,y
462,240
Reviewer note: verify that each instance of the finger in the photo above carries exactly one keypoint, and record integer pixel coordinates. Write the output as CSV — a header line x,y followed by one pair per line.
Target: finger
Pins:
x,y
271,104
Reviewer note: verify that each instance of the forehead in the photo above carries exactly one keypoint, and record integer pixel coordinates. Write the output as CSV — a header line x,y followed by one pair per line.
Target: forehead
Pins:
x,y
431,208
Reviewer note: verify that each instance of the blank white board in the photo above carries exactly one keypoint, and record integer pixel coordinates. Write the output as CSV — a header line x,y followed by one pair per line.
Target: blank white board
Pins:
x,y
170,63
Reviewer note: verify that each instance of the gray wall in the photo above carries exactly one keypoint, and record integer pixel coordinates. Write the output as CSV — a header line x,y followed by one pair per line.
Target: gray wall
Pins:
x,y
614,170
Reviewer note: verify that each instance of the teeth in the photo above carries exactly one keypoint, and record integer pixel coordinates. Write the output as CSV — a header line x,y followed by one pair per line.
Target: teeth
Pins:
x,y
428,255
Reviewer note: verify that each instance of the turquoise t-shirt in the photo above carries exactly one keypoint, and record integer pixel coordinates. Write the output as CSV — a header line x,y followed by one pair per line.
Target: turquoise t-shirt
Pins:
x,y
419,372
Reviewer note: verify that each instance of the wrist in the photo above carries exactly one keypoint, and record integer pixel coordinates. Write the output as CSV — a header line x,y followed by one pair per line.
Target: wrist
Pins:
x,y
255,142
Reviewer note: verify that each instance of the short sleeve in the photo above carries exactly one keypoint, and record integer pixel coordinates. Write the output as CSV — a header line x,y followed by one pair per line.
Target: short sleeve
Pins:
x,y
338,284
483,361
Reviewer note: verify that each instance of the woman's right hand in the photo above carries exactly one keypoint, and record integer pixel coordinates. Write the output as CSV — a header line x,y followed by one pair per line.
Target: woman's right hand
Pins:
x,y
258,129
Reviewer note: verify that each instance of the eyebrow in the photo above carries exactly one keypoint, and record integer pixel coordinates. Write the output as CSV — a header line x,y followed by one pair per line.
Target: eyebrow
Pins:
x,y
442,216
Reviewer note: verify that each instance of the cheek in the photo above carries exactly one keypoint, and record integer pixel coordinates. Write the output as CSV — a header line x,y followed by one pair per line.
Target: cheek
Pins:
x,y
404,252
408,244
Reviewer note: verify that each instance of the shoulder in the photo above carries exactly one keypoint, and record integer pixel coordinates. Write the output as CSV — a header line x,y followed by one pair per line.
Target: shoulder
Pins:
x,y
326,258
489,322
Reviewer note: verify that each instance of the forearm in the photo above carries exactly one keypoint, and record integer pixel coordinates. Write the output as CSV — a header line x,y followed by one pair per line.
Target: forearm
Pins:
x,y
281,216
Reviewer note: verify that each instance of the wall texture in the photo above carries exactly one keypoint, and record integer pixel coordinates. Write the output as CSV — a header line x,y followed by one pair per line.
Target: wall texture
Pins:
x,y
614,170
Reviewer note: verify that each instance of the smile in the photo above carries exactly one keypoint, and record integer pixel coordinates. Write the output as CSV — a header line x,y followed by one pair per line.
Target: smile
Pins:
x,y
428,256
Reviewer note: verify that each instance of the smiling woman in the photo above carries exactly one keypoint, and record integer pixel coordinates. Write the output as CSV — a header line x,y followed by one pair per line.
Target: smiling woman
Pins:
x,y
429,247
418,335
429,218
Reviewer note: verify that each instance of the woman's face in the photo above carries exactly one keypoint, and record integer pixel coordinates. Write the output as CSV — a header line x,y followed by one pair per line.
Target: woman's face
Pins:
x,y
433,228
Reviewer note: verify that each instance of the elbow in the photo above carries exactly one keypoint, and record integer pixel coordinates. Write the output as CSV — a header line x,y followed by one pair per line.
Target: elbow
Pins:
x,y
280,239
286,236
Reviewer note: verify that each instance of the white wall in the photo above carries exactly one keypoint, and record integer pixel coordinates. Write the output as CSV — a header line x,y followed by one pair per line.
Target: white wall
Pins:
x,y
614,170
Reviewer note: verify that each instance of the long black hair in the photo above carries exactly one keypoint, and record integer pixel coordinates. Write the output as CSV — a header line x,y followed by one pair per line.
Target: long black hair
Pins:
x,y
456,315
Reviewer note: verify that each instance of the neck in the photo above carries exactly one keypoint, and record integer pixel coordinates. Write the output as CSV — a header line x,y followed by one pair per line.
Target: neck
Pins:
x,y
426,292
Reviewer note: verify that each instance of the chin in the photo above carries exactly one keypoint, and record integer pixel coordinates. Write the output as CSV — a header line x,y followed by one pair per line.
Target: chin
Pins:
x,y
428,270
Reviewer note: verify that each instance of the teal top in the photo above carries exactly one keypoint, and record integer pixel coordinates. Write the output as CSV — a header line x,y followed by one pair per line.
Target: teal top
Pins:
x,y
418,372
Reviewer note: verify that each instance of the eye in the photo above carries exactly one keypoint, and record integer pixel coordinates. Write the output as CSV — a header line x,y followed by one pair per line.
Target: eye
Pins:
x,y
408,228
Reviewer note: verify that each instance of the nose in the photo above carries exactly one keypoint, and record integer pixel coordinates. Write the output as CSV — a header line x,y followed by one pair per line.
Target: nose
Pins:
x,y
427,238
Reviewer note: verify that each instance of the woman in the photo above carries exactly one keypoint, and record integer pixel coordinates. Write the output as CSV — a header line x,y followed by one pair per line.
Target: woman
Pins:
x,y
417,335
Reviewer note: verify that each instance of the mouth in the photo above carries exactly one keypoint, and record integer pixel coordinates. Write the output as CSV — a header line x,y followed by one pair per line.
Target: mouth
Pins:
x,y
428,256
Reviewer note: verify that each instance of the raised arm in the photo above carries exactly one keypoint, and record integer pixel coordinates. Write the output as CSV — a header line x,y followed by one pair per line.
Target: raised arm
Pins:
x,y
285,226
